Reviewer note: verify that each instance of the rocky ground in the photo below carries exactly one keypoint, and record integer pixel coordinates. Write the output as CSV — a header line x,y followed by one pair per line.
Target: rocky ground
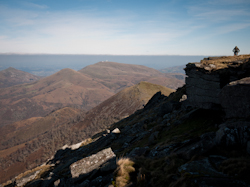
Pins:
x,y
170,142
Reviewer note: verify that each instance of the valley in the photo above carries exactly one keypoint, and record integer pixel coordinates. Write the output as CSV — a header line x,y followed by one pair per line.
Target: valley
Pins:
x,y
40,117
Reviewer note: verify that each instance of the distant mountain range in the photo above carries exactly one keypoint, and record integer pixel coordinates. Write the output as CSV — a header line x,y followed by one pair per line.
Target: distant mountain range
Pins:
x,y
84,89
42,115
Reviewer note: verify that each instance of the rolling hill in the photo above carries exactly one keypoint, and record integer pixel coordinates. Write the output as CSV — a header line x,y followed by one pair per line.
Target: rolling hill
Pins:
x,y
28,143
64,88
121,105
84,89
117,76
11,76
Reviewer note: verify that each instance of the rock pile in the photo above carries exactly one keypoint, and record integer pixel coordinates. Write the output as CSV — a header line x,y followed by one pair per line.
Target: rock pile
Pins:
x,y
205,80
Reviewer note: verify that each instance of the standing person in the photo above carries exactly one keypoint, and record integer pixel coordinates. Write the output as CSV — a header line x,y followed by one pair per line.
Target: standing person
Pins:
x,y
236,50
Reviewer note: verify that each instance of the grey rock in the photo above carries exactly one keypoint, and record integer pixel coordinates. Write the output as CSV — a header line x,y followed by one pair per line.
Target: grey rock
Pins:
x,y
25,179
153,137
90,163
161,151
109,166
235,100
233,134
56,183
216,160
116,131
138,151
167,116
85,183
197,146
183,98
207,141
96,182
201,168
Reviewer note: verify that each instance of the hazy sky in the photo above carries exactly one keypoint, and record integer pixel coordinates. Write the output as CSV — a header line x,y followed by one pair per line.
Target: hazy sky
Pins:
x,y
172,27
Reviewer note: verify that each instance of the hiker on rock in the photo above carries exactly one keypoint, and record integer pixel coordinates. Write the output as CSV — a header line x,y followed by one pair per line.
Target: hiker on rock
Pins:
x,y
236,50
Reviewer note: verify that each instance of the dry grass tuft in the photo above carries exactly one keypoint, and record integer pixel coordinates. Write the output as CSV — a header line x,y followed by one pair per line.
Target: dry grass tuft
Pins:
x,y
86,142
43,171
123,172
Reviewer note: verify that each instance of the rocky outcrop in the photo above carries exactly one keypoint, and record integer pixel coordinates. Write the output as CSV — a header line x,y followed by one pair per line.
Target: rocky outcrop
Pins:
x,y
234,134
235,100
206,79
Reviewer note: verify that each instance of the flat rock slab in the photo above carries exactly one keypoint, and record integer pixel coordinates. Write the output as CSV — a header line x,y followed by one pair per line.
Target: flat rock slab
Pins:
x,y
90,163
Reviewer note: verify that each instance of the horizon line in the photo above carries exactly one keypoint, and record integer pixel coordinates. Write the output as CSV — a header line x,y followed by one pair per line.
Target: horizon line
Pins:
x,y
11,53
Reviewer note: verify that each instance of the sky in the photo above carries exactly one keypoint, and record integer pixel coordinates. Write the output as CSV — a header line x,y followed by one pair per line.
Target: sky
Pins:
x,y
125,27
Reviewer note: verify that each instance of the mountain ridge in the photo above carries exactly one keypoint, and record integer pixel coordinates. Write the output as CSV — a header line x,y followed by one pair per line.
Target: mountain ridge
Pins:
x,y
82,125
11,76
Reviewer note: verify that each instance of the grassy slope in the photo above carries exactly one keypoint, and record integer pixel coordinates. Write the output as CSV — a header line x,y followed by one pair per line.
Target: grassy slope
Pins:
x,y
11,76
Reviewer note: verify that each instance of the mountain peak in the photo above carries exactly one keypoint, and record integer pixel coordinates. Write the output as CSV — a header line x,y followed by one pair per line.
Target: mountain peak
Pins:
x,y
10,68
11,76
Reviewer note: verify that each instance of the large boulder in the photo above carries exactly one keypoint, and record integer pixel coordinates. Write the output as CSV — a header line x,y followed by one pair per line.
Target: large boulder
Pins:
x,y
88,164
233,134
235,100
206,79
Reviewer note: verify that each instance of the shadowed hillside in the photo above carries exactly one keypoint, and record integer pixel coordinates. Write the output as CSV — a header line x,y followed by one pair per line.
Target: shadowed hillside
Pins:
x,y
11,76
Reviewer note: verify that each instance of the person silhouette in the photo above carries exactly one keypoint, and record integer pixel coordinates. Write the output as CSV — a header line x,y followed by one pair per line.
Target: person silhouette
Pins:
x,y
236,50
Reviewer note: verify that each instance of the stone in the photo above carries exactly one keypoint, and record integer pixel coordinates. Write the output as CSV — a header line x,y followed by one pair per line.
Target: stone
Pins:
x,y
183,98
25,179
97,181
167,107
56,183
85,183
109,166
216,160
90,163
233,134
235,100
207,141
138,151
116,131
200,168
153,137
197,146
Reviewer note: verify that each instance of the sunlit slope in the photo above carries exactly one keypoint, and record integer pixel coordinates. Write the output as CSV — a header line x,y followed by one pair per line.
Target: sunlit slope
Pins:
x,y
64,88
117,76
11,76
122,104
